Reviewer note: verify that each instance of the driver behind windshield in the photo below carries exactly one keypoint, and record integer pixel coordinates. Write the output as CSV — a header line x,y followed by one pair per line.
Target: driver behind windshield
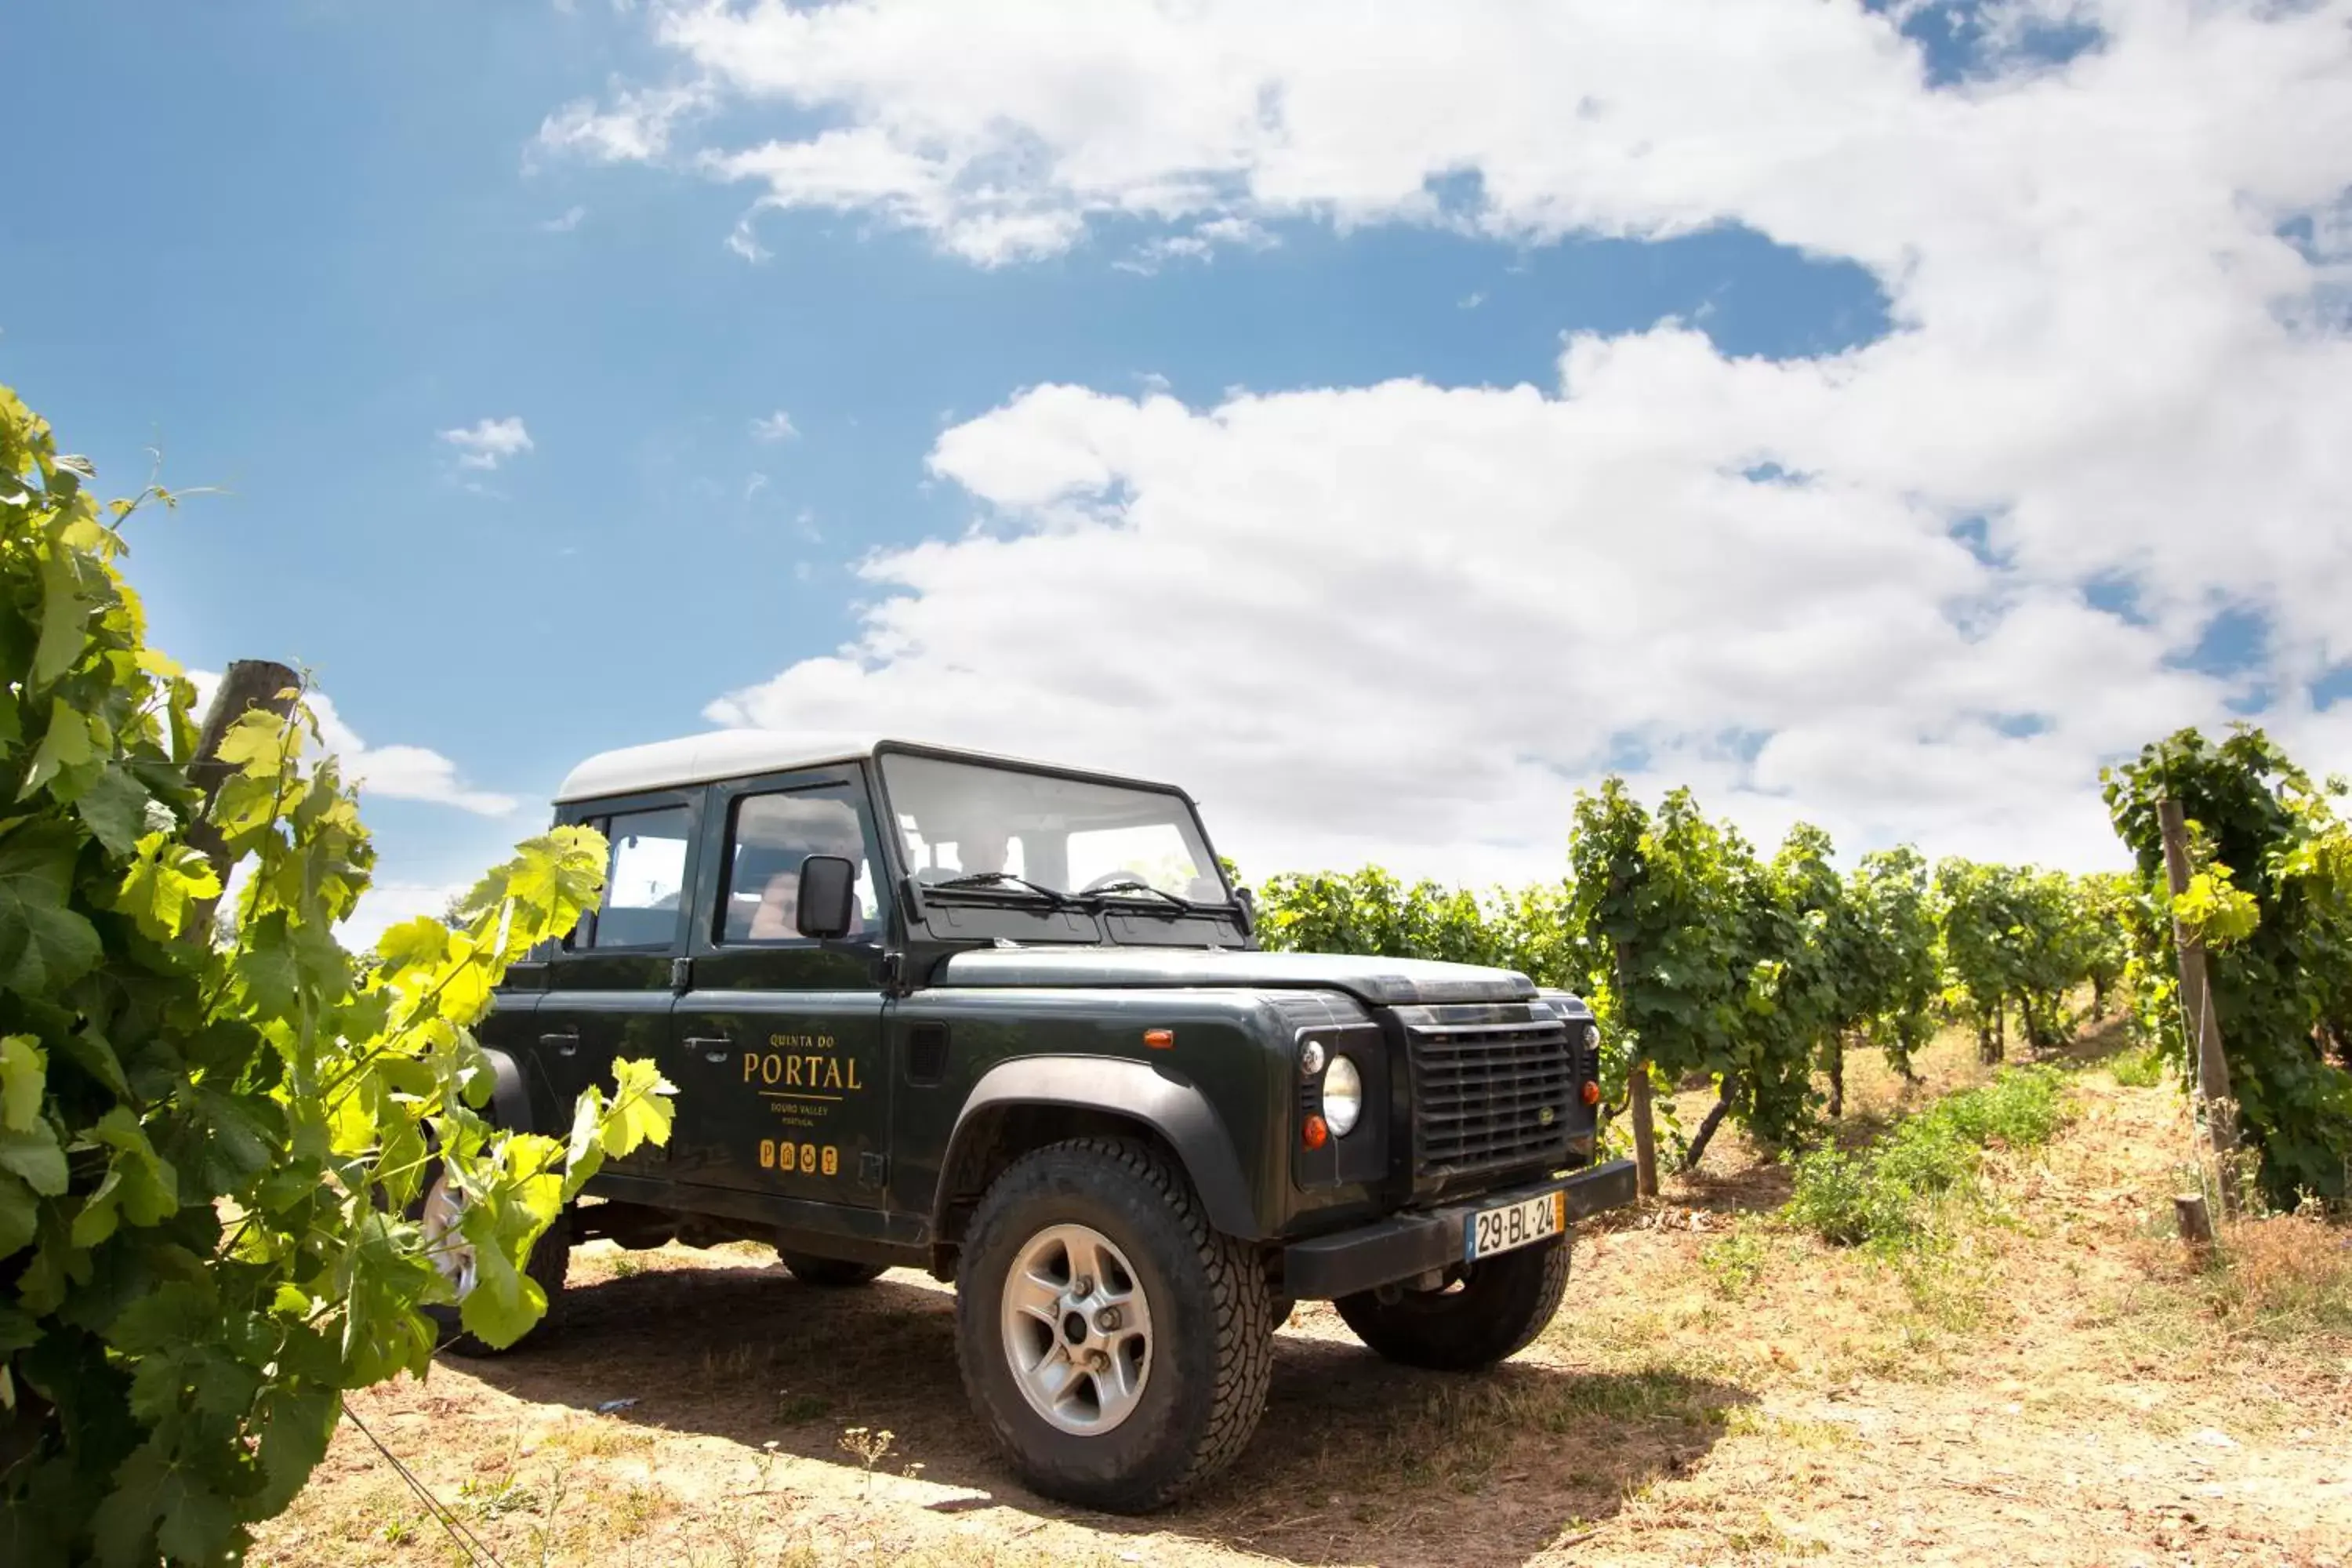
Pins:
x,y
983,851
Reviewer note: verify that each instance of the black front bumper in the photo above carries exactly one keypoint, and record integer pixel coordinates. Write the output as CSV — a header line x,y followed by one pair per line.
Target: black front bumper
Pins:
x,y
1406,1245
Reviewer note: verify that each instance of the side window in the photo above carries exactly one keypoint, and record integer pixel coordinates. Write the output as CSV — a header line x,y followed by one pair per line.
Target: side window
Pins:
x,y
768,836
643,881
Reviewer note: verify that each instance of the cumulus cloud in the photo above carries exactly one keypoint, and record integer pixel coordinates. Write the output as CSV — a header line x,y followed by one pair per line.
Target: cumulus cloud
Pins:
x,y
635,128
489,442
387,904
1921,588
776,427
565,222
393,773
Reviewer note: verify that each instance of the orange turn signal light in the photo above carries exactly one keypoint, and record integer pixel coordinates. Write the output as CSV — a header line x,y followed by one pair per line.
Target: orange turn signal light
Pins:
x,y
1591,1092
1315,1131
1160,1040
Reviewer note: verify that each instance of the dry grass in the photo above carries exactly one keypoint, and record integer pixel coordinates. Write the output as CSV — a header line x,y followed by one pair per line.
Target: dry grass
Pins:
x,y
2288,1279
2060,1383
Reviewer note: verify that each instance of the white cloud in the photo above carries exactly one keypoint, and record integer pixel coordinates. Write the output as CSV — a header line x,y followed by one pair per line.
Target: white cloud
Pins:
x,y
754,485
744,241
565,224
1200,245
636,129
776,427
393,773
1406,620
387,904
489,442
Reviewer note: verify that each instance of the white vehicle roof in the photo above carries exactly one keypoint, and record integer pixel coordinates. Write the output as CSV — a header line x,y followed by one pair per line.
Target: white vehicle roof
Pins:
x,y
727,755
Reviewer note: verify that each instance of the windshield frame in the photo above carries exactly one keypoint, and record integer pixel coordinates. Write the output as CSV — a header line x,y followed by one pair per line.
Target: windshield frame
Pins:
x,y
1013,894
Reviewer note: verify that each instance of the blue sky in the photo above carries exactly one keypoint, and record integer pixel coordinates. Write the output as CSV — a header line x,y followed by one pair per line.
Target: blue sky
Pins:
x,y
293,244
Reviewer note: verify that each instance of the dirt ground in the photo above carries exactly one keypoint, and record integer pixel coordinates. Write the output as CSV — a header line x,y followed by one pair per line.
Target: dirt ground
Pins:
x,y
2060,1388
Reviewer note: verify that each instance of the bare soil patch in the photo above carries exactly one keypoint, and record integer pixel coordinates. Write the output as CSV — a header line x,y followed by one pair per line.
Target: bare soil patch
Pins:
x,y
2061,1386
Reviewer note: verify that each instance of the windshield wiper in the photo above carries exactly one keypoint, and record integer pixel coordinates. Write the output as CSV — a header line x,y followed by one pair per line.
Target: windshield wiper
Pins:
x,y
975,880
1137,885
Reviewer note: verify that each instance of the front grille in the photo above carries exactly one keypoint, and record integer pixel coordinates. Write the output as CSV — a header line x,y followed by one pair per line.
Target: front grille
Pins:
x,y
1487,1095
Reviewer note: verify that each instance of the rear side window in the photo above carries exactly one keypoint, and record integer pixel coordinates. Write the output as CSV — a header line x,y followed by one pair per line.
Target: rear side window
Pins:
x,y
644,880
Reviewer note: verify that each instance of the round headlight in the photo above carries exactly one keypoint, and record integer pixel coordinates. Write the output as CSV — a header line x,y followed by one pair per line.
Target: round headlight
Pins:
x,y
1310,1059
1592,1034
1343,1095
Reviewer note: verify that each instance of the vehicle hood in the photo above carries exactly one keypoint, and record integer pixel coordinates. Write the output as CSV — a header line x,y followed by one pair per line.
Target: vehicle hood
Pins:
x,y
1382,981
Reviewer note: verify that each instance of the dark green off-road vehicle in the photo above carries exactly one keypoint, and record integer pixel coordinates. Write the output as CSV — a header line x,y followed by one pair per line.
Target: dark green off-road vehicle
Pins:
x,y
1010,1024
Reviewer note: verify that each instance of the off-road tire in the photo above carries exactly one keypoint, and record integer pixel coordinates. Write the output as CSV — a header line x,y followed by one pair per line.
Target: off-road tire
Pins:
x,y
1211,1363
549,1260
1496,1311
831,1272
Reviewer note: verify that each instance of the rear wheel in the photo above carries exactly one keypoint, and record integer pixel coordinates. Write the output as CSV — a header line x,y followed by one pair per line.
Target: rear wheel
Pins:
x,y
810,1270
441,1211
1494,1309
1118,1346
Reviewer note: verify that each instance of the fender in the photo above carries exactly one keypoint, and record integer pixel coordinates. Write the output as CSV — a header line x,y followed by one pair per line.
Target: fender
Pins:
x,y
510,1099
1140,1091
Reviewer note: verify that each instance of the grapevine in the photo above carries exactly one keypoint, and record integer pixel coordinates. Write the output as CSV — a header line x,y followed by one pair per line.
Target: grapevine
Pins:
x,y
209,1135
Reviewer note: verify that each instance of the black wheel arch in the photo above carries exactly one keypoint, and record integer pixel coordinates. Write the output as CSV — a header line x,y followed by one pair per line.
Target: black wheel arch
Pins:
x,y
1031,1101
510,1106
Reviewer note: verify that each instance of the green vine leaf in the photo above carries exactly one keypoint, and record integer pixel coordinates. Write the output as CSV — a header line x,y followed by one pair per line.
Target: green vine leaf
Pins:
x,y
114,809
23,1078
44,944
66,747
163,879
34,1156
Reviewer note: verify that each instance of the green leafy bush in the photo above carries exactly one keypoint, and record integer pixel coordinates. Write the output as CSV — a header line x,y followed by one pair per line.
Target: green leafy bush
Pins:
x,y
2272,887
210,1132
1888,1195
1736,1262
2142,1066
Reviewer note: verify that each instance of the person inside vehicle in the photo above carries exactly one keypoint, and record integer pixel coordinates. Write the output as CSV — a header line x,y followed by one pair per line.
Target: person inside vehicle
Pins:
x,y
983,851
774,836
980,848
776,917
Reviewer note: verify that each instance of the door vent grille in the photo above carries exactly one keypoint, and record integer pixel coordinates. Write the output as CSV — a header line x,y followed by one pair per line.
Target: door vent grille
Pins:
x,y
927,1053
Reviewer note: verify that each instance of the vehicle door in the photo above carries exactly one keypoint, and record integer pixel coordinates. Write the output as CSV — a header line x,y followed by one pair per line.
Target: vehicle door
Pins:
x,y
609,986
782,1087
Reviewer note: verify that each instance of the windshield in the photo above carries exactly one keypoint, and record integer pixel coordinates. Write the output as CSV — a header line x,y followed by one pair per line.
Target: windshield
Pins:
x,y
960,820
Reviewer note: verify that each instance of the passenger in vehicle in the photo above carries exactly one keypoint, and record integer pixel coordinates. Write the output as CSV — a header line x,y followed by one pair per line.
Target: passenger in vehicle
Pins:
x,y
776,917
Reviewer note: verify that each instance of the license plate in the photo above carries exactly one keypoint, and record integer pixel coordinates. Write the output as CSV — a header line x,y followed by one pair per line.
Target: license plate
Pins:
x,y
1501,1229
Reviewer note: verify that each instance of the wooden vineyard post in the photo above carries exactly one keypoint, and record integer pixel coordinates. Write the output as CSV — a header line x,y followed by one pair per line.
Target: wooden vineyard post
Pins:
x,y
2202,1026
1646,1137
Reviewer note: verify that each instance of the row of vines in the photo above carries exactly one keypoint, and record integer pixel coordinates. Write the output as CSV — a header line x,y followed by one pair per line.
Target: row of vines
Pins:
x,y
215,1122
1710,962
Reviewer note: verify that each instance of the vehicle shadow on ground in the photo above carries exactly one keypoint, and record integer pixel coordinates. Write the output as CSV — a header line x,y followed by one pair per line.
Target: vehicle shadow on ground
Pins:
x,y
1356,1459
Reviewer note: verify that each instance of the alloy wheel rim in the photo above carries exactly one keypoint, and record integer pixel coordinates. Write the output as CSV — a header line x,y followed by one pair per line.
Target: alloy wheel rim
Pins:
x,y
1077,1328
445,1244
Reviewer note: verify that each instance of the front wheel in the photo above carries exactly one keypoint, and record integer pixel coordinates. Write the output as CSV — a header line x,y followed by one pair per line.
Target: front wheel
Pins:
x,y
1118,1346
1495,1310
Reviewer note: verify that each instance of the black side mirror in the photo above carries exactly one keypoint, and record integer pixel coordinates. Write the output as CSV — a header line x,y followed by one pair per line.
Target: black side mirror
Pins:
x,y
828,901
1248,901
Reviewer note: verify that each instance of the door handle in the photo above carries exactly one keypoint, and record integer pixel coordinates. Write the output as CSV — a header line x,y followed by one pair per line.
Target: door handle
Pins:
x,y
714,1048
565,1044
